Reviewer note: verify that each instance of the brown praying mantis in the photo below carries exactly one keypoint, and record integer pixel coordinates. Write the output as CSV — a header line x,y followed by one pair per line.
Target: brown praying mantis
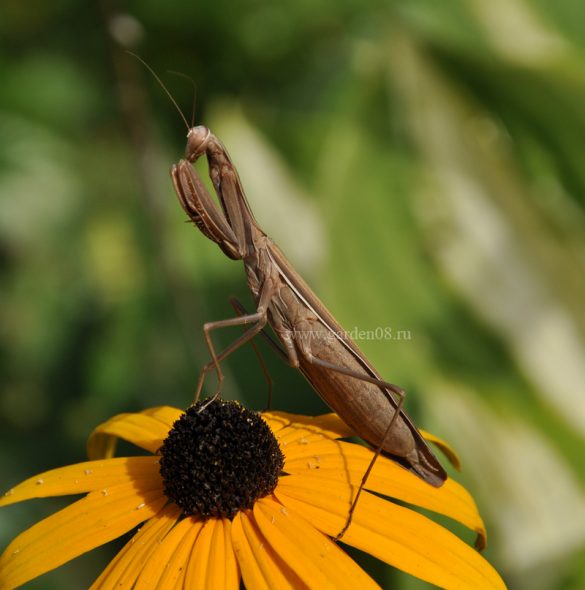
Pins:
x,y
312,340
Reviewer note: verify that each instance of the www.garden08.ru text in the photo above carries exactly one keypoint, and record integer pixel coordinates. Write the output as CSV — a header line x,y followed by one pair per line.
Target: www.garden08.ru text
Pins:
x,y
379,333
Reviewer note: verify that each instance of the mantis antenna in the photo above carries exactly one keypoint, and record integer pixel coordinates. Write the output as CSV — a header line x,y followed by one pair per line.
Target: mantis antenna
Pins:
x,y
167,92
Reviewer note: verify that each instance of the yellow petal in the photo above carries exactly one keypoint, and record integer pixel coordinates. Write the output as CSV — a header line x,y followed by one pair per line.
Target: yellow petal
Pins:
x,y
123,571
167,564
82,526
316,559
291,427
347,463
445,448
262,568
213,563
173,571
86,477
399,536
232,574
166,414
144,431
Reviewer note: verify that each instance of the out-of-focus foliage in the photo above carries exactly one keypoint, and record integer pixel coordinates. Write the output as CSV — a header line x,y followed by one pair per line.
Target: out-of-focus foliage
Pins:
x,y
420,162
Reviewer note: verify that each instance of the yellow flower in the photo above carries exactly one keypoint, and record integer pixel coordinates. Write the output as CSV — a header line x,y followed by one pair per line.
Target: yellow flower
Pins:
x,y
216,505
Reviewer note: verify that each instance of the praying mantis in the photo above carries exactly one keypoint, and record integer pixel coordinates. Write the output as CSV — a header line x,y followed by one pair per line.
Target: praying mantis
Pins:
x,y
312,341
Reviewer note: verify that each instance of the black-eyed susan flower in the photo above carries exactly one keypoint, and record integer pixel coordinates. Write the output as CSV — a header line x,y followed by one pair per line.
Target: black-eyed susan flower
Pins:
x,y
226,495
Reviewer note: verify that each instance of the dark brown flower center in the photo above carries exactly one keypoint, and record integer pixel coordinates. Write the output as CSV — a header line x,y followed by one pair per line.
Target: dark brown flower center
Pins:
x,y
219,458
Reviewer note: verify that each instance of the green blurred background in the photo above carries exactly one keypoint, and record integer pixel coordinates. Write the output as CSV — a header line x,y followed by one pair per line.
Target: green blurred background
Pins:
x,y
421,163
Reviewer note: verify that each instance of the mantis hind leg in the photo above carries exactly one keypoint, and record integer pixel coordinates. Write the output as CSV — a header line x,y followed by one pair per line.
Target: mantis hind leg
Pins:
x,y
397,406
